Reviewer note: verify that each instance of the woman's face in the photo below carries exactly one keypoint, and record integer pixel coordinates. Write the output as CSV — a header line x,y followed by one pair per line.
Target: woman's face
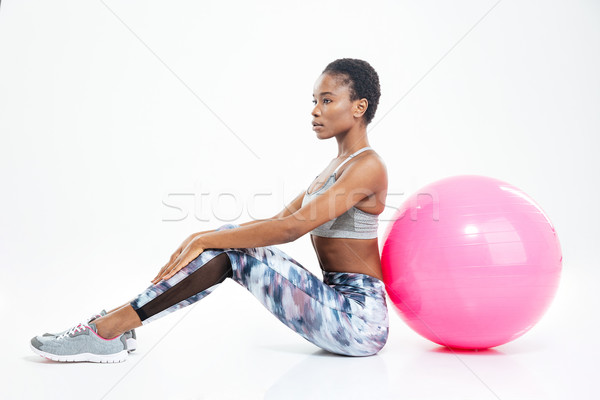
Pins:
x,y
333,113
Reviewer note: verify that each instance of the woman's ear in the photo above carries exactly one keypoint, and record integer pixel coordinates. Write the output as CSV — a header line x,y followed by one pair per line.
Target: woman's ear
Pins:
x,y
360,107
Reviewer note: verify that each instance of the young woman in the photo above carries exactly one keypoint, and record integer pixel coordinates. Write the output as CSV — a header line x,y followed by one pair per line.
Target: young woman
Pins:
x,y
345,312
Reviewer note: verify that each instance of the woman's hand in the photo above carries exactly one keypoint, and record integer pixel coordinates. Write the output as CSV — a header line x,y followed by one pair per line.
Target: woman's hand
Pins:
x,y
189,250
180,249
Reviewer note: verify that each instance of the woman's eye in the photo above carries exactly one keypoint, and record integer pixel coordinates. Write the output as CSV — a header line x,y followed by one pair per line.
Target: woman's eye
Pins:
x,y
326,101
314,102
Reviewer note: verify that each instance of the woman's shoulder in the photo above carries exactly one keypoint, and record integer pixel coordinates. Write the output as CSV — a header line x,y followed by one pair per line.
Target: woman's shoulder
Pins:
x,y
369,164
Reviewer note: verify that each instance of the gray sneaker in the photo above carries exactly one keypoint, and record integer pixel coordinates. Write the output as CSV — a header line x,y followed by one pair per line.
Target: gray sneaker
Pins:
x,y
131,338
81,343
129,335
87,321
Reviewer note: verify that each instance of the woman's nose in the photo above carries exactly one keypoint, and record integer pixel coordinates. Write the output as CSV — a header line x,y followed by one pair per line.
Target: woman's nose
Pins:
x,y
316,111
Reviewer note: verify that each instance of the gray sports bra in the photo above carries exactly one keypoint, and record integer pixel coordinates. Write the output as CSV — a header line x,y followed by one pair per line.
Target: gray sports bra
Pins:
x,y
354,223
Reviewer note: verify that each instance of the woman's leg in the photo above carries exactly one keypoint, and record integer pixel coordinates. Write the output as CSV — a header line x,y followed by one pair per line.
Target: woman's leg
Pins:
x,y
118,321
192,283
346,314
103,339
107,329
117,308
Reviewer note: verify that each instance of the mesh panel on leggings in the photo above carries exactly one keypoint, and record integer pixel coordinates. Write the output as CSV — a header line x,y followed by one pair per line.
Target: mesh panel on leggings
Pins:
x,y
213,272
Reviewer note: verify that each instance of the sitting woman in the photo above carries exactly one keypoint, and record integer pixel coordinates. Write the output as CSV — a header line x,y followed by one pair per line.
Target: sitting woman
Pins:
x,y
345,312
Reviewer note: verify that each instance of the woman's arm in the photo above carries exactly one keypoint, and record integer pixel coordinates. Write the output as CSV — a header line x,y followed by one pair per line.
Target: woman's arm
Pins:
x,y
288,210
361,179
257,233
288,225
294,220
270,231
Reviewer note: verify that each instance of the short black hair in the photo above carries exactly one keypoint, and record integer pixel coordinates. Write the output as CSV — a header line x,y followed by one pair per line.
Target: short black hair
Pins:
x,y
362,79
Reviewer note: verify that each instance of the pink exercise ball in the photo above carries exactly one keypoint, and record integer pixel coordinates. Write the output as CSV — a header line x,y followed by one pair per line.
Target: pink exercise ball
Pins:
x,y
471,262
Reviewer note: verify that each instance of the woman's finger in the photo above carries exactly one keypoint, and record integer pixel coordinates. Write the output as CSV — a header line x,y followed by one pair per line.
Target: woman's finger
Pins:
x,y
166,266
173,272
157,278
163,272
170,262
181,262
186,258
174,268
177,262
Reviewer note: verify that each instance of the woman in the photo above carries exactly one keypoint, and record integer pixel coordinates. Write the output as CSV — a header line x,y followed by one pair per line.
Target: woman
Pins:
x,y
345,313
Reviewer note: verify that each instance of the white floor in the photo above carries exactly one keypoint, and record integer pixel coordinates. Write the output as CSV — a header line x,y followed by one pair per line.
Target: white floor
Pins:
x,y
229,347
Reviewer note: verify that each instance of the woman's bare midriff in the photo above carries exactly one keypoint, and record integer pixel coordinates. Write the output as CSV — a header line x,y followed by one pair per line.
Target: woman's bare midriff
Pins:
x,y
348,255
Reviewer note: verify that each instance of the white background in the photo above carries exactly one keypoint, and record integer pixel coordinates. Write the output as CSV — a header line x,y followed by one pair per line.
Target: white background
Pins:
x,y
123,123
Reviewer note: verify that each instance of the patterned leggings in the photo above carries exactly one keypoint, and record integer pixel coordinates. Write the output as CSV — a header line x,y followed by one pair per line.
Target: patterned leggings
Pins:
x,y
345,313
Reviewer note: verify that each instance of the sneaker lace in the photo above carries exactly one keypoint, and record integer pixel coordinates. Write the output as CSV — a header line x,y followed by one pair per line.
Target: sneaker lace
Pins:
x,y
77,328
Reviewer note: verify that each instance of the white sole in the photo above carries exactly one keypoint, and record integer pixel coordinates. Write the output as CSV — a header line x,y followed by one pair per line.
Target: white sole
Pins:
x,y
97,358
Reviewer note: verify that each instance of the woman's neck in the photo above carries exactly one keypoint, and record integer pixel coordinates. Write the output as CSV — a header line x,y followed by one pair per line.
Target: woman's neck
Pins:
x,y
351,141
